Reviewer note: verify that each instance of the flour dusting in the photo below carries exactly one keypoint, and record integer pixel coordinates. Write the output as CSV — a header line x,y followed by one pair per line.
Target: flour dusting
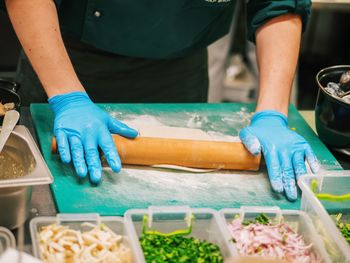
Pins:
x,y
218,136
195,122
140,186
146,120
224,122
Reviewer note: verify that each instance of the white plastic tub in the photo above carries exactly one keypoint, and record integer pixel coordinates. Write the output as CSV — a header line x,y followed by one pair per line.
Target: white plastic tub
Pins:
x,y
74,221
298,220
335,183
205,225
7,239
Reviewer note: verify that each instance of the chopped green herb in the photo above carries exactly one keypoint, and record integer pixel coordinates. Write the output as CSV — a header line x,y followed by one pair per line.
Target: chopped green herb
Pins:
x,y
262,219
343,227
177,248
247,222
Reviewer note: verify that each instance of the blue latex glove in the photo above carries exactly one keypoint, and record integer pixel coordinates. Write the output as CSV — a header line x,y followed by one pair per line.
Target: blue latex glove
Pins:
x,y
284,150
80,128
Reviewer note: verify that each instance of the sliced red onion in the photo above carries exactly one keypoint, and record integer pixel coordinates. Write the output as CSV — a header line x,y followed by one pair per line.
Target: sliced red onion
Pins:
x,y
276,241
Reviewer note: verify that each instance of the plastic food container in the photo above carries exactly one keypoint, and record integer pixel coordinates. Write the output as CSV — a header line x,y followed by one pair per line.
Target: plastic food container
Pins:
x,y
298,220
205,225
74,221
6,239
336,183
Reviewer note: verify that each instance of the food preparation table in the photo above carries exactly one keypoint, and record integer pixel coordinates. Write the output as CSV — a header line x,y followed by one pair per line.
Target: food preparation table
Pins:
x,y
42,201
139,189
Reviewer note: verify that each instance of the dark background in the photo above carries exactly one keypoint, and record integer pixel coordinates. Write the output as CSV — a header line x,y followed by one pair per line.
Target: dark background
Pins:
x,y
9,46
325,43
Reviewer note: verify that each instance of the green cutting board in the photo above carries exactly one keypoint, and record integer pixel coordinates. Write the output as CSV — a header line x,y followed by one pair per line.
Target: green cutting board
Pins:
x,y
140,188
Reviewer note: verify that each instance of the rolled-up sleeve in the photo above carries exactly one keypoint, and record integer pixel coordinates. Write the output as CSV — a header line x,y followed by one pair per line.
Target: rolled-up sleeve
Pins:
x,y
260,11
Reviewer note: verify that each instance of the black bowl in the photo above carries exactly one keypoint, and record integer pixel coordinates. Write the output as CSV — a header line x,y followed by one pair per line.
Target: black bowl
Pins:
x,y
332,114
8,93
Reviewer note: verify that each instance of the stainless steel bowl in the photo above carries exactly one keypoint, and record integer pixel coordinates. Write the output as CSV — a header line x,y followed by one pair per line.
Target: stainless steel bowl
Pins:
x,y
15,193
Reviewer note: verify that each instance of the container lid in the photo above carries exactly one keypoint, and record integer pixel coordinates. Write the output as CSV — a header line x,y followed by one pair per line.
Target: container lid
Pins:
x,y
6,239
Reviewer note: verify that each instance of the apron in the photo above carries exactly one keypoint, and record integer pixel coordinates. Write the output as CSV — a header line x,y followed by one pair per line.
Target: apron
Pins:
x,y
112,78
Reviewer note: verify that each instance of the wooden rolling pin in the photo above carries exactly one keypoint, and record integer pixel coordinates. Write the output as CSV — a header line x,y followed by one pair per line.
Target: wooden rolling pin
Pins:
x,y
188,153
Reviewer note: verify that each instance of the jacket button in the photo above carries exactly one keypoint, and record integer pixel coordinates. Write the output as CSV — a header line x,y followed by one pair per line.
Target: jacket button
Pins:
x,y
97,13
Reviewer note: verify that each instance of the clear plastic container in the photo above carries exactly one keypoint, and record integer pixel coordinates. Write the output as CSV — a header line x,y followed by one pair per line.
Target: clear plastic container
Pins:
x,y
205,225
6,239
74,221
320,211
298,220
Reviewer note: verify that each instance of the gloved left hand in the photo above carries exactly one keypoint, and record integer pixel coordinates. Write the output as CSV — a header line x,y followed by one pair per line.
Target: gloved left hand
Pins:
x,y
284,150
80,128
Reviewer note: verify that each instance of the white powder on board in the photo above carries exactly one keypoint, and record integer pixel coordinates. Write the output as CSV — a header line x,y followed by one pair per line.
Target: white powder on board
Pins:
x,y
218,136
145,186
145,120
195,122
148,186
172,179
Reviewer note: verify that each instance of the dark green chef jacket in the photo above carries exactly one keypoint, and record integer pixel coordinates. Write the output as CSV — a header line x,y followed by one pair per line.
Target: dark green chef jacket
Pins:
x,y
163,28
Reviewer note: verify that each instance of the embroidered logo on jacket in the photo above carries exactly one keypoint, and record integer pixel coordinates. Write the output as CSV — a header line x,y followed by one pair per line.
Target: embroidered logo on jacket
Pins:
x,y
218,1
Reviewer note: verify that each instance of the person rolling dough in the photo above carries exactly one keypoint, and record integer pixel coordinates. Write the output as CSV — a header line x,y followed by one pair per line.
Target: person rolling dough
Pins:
x,y
88,51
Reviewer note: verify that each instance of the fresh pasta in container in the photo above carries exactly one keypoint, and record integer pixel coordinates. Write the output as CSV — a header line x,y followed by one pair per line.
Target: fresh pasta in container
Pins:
x,y
81,238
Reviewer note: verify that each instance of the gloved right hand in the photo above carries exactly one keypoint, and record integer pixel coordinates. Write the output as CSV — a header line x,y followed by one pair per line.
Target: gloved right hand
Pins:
x,y
80,128
284,150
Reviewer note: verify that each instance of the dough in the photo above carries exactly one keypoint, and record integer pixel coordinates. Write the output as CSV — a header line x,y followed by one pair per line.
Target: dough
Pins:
x,y
158,131
183,168
168,132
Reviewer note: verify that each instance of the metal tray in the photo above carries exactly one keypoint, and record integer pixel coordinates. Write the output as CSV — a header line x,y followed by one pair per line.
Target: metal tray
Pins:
x,y
22,147
15,194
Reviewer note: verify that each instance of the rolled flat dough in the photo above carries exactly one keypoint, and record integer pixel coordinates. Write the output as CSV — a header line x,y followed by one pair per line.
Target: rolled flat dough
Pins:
x,y
168,132
183,168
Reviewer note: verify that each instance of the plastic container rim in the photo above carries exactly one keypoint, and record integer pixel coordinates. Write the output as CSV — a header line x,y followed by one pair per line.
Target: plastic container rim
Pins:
x,y
73,218
8,237
325,217
172,210
281,212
